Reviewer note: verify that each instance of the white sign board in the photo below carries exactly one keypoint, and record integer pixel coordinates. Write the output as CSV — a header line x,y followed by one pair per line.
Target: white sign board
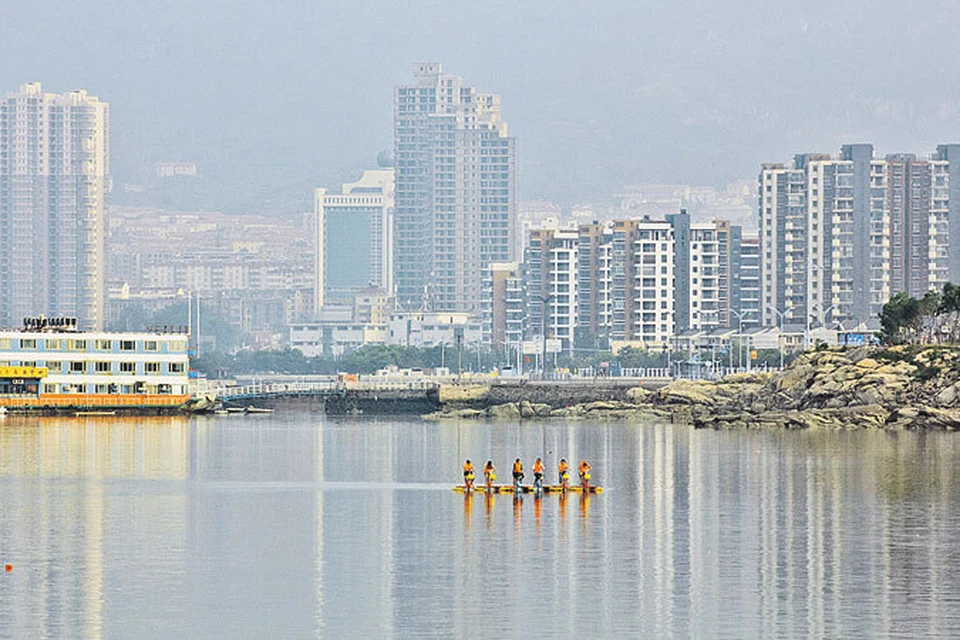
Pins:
x,y
534,347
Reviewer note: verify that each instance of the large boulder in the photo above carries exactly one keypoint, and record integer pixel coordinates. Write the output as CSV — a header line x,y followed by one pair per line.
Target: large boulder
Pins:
x,y
506,411
688,392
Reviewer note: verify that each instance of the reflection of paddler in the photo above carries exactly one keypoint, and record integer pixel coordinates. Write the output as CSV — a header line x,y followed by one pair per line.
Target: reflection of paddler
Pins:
x,y
585,504
467,507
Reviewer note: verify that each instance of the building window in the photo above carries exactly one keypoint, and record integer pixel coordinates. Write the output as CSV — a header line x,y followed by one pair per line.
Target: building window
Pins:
x,y
128,367
104,345
77,366
102,367
28,343
149,345
128,345
76,345
151,367
53,344
176,367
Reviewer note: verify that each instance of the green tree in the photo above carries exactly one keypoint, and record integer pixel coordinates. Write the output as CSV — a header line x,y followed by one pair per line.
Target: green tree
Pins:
x,y
899,319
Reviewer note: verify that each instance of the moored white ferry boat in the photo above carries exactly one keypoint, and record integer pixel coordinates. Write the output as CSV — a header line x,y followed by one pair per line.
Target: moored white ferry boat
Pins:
x,y
50,367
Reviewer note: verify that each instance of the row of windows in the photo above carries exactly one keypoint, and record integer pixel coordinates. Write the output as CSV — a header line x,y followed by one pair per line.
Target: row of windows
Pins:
x,y
103,367
72,344
105,389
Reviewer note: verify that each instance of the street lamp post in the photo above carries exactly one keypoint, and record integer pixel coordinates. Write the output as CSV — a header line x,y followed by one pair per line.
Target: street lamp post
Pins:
x,y
780,315
823,322
543,334
740,349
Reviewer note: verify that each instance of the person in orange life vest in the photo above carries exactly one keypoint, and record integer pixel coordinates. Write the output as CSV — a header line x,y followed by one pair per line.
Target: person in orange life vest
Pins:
x,y
517,470
563,470
489,472
538,470
468,473
584,472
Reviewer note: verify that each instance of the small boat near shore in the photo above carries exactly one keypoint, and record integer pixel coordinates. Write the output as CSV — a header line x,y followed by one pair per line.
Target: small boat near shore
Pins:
x,y
252,409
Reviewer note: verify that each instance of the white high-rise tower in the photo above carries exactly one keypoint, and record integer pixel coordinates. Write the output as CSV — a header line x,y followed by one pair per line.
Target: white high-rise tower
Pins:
x,y
456,190
54,174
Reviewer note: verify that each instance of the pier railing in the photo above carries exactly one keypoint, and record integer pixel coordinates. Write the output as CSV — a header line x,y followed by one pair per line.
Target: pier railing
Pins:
x,y
265,389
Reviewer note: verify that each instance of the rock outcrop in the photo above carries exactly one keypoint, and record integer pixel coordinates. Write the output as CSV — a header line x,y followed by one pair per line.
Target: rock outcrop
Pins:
x,y
915,387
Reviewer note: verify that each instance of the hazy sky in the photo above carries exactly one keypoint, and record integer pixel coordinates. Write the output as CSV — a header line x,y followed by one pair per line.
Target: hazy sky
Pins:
x,y
274,98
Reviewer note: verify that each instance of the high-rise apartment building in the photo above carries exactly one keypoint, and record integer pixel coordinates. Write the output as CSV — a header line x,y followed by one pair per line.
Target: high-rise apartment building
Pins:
x,y
551,274
456,190
840,234
353,238
627,271
54,174
706,272
641,281
503,305
748,284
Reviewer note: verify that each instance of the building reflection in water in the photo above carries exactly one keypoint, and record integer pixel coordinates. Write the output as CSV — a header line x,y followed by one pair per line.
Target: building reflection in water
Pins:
x,y
56,513
352,525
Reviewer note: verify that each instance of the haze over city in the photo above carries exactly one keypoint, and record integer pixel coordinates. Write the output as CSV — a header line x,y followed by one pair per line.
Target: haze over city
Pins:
x,y
271,100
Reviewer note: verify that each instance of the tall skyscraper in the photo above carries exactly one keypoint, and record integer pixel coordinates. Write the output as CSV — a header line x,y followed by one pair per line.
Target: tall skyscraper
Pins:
x,y
840,234
354,238
54,174
456,190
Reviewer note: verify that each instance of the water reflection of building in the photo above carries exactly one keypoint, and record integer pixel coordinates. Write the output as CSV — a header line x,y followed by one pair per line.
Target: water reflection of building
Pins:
x,y
60,534
356,538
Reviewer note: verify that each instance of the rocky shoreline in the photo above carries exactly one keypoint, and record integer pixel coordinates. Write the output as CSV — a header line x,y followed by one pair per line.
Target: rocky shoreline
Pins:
x,y
908,387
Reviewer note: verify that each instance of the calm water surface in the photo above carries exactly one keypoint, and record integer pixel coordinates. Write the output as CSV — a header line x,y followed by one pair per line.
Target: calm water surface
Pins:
x,y
293,525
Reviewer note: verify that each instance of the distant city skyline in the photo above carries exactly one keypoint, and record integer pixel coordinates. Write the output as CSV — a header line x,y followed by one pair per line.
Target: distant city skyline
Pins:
x,y
603,95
